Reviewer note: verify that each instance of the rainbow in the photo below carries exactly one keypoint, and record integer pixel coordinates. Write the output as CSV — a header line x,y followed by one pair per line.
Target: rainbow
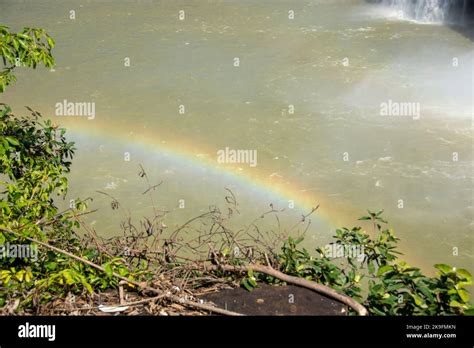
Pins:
x,y
184,151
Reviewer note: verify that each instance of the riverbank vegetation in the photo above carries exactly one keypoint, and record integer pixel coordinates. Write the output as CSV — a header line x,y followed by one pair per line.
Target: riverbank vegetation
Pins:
x,y
156,270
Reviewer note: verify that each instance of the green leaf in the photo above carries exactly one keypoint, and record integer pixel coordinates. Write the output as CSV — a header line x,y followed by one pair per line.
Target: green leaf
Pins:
x,y
68,276
418,300
86,285
455,304
371,267
50,41
300,267
464,295
299,240
465,274
108,269
12,141
246,285
252,282
365,218
51,266
443,267
394,287
377,289
384,269
425,291
377,311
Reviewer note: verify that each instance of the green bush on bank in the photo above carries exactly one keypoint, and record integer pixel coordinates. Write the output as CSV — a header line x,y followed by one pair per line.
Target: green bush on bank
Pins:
x,y
393,287
34,160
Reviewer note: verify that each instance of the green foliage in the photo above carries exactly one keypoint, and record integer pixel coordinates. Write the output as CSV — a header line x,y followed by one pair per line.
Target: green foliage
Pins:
x,y
404,290
393,288
249,282
321,269
34,160
28,48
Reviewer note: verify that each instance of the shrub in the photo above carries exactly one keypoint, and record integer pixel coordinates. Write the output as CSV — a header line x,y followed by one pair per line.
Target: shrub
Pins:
x,y
393,288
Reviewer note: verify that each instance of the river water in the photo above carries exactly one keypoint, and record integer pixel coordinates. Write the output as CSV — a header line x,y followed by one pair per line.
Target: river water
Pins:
x,y
312,86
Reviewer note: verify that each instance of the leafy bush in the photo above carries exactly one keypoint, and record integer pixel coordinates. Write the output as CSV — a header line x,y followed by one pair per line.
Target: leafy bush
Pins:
x,y
34,159
393,288
29,48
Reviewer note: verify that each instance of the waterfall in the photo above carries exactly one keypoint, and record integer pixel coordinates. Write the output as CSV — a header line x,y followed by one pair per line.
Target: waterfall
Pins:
x,y
430,11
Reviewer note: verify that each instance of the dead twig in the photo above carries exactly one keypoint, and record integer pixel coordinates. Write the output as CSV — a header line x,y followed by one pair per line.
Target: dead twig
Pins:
x,y
323,289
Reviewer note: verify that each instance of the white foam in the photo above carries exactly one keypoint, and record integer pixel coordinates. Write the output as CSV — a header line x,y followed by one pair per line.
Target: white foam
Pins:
x,y
421,11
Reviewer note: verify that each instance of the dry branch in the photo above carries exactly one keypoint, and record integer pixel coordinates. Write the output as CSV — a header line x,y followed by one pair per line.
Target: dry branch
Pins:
x,y
361,310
